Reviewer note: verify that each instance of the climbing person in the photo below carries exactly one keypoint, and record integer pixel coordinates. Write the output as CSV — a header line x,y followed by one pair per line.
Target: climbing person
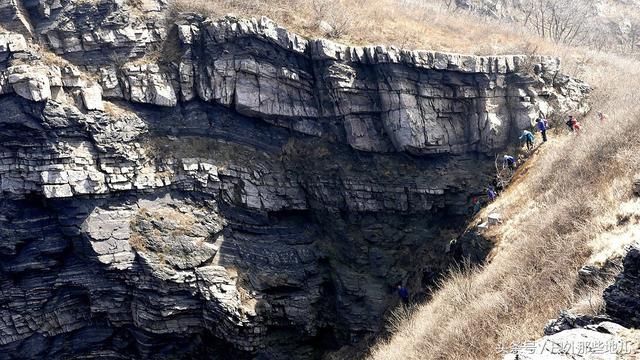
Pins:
x,y
403,293
476,205
528,137
541,124
508,161
576,127
571,122
602,117
491,193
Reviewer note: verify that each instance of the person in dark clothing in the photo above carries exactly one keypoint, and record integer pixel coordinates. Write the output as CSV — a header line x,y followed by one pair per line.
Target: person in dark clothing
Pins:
x,y
403,293
541,124
571,122
476,205
508,161
491,194
603,117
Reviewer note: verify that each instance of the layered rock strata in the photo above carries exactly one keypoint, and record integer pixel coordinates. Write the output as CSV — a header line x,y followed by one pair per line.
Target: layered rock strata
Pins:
x,y
217,188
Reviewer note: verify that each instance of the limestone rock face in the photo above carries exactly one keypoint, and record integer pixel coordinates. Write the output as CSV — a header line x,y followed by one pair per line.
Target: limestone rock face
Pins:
x,y
15,17
30,82
622,299
227,187
145,84
389,99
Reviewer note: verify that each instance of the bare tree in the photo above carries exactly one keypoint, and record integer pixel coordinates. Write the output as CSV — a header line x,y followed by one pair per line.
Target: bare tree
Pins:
x,y
630,34
338,18
560,21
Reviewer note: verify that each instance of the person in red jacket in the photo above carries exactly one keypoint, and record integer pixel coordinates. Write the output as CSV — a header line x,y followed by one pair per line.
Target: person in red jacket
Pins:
x,y
573,124
576,127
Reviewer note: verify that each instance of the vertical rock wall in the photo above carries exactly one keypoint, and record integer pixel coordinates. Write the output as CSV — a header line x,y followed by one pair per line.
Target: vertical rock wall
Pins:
x,y
218,188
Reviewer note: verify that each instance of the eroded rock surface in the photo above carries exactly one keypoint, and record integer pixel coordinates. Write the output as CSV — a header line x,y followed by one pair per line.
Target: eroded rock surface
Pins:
x,y
226,188
623,297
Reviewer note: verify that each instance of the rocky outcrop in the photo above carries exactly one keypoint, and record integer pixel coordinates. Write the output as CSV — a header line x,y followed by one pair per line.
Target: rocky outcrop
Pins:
x,y
244,192
622,298
15,17
387,99
603,341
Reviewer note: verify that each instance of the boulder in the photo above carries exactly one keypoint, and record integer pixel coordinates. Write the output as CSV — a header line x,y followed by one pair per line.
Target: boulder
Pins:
x,y
30,83
92,97
146,84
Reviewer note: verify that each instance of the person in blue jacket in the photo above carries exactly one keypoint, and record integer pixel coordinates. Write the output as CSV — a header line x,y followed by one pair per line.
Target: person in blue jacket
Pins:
x,y
491,193
403,293
542,125
528,137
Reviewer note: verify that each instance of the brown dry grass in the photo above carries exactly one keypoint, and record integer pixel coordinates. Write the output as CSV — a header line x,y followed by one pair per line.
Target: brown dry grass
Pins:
x,y
137,242
117,110
50,58
182,222
53,59
420,25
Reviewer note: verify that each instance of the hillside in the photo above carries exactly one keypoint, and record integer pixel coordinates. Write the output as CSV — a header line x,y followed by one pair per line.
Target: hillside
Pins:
x,y
481,27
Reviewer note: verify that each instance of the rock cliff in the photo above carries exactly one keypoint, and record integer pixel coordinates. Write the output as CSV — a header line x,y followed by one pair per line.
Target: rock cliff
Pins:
x,y
621,298
195,188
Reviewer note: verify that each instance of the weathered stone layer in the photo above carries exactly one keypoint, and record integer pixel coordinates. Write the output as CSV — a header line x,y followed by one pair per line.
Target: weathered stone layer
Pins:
x,y
243,192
